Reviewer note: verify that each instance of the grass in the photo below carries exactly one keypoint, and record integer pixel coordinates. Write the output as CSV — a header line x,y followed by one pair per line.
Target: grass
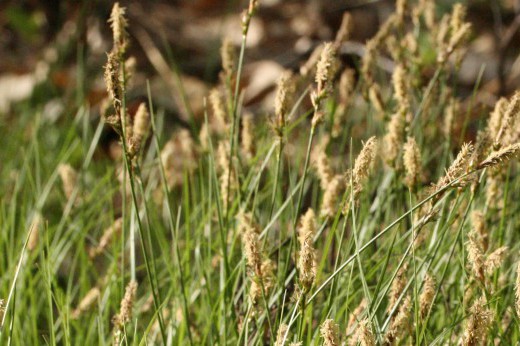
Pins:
x,y
205,277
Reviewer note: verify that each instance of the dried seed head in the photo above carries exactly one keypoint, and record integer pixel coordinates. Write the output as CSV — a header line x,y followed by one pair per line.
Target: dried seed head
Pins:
x,y
400,323
458,16
307,257
331,196
263,281
364,335
397,287
495,119
251,242
427,295
69,178
329,331
508,133
118,23
125,311
86,303
325,70
113,83
412,163
141,122
500,156
344,29
477,326
459,166
248,137
106,238
284,92
363,165
356,315
130,68
282,335
394,138
347,83
321,162
479,225
400,83
219,111
475,256
374,95
494,260
228,56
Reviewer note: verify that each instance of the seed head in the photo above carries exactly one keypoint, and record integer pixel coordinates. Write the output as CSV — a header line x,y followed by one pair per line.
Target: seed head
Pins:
x,y
125,311
363,165
495,119
412,163
477,326
329,331
118,23
106,238
364,335
500,156
325,70
282,335
427,295
228,56
331,196
219,110
397,287
248,137
400,323
34,237
307,257
284,93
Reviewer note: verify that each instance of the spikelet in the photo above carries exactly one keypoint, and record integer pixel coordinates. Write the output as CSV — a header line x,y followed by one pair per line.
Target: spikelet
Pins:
x,y
459,166
130,66
106,238
248,137
221,122
376,100
495,189
282,335
368,62
139,129
475,256
363,165
345,29
321,163
307,256
69,178
400,323
263,281
118,23
227,55
250,233
412,163
364,335
400,83
356,315
397,287
114,88
476,329
479,225
284,93
34,236
347,83
494,260
517,290
329,331
228,181
458,15
325,70
427,295
394,138
86,303
495,119
125,311
501,156
331,196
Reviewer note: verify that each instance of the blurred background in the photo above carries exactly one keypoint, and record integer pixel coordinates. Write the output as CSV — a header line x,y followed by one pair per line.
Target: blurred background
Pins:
x,y
52,51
